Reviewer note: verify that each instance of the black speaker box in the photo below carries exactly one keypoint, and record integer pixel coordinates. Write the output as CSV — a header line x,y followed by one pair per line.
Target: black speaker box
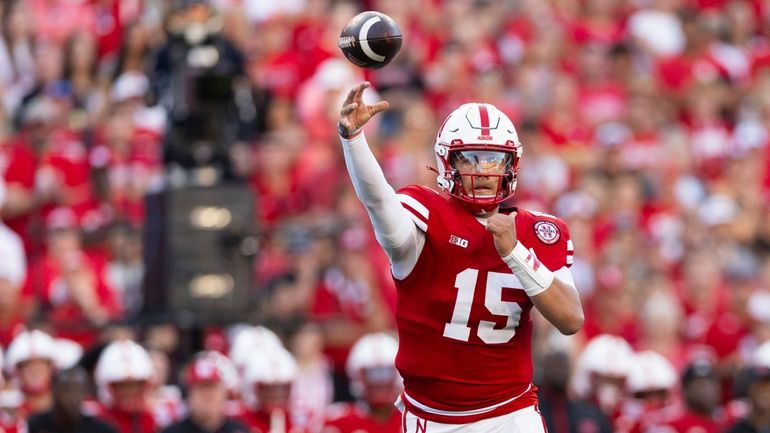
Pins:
x,y
200,244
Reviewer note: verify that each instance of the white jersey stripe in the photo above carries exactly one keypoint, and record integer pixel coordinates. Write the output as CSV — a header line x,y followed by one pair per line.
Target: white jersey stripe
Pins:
x,y
570,248
487,409
414,204
417,221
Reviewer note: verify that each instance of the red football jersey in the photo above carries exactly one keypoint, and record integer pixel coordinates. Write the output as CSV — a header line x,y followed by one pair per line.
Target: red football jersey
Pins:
x,y
127,422
351,418
463,318
262,422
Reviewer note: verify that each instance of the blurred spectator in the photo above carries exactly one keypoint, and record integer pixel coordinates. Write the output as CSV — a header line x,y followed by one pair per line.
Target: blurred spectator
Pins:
x,y
123,377
13,269
125,270
56,20
563,413
348,303
68,286
206,399
313,389
165,399
70,388
17,63
375,383
80,70
657,29
758,419
702,409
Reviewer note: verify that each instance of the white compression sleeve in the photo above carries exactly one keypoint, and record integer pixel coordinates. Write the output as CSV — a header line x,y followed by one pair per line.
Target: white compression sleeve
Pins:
x,y
393,227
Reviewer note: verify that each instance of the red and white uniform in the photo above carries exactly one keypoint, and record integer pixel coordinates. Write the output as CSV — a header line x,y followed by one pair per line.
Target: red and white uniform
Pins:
x,y
463,318
352,418
440,339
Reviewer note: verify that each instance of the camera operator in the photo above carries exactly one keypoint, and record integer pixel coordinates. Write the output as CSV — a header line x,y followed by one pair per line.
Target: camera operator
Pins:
x,y
199,78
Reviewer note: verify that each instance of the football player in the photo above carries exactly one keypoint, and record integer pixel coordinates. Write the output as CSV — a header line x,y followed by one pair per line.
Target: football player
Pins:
x,y
124,376
375,383
31,360
652,384
269,377
468,272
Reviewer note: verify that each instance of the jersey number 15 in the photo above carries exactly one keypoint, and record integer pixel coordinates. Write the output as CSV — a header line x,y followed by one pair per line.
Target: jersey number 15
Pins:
x,y
465,283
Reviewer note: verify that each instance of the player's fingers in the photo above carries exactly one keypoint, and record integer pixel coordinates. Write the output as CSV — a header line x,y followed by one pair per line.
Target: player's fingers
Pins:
x,y
360,91
351,95
379,107
347,109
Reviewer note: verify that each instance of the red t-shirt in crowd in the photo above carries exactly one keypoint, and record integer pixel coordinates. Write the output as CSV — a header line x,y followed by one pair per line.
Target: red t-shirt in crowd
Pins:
x,y
47,287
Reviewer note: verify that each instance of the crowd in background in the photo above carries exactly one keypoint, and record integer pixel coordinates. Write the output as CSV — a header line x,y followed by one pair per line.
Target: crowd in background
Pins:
x,y
645,126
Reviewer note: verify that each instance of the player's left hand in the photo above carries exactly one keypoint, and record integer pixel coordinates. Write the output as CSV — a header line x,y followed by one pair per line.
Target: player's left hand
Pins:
x,y
503,229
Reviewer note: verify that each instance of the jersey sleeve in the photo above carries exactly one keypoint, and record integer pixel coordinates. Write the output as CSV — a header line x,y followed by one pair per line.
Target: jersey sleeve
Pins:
x,y
552,242
393,226
416,200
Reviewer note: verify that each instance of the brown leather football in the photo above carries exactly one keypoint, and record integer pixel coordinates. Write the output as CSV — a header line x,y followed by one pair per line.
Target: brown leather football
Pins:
x,y
370,40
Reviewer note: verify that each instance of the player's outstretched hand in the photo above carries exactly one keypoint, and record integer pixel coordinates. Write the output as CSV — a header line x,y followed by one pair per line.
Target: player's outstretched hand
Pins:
x,y
503,229
355,113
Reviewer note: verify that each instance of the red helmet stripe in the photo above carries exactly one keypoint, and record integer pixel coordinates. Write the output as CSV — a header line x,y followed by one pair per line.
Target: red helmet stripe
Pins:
x,y
484,117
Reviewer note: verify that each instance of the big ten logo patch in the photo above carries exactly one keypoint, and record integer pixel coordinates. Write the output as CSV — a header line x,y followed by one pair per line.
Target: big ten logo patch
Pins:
x,y
458,241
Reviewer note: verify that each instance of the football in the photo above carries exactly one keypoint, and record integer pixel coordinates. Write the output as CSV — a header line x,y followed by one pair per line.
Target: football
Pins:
x,y
370,40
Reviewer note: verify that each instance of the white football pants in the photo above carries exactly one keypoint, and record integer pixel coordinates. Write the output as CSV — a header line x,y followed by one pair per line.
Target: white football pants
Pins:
x,y
527,420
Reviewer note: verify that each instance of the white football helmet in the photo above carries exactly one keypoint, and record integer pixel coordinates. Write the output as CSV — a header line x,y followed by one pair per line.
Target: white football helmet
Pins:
x,y
245,341
651,371
371,351
273,366
123,361
483,137
29,345
605,355
68,353
372,360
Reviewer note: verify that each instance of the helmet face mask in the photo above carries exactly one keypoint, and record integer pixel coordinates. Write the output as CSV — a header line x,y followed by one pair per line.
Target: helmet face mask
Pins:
x,y
478,153
381,385
481,176
129,395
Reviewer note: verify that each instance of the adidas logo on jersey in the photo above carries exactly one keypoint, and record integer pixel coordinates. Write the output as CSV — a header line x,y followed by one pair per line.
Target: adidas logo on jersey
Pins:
x,y
458,241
